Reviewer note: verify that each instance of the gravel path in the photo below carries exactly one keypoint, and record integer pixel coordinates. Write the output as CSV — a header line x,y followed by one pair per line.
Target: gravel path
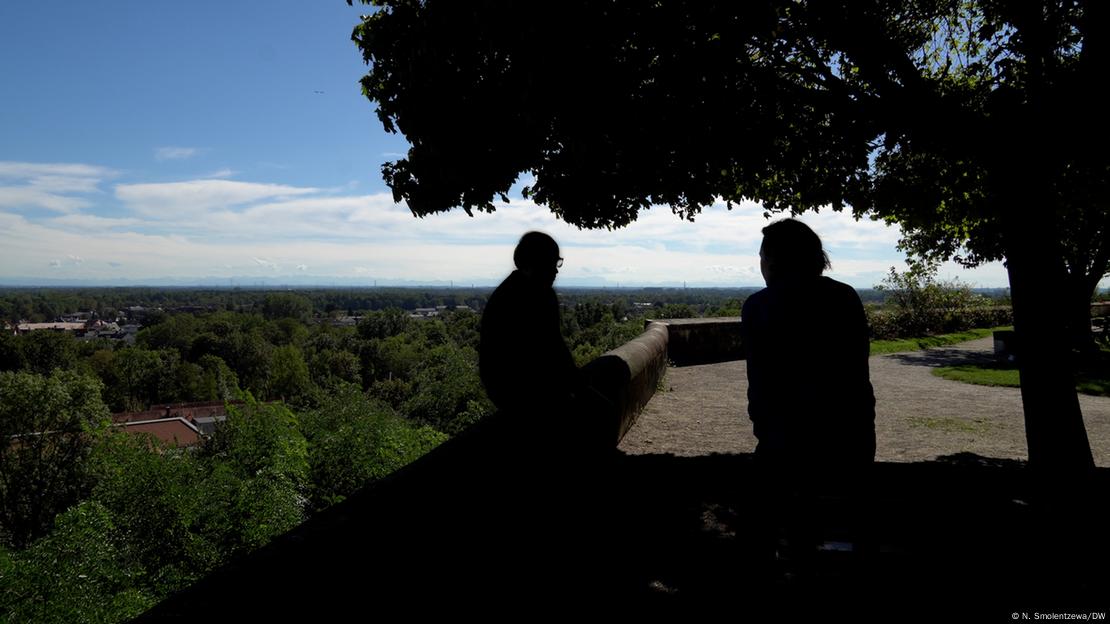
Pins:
x,y
919,416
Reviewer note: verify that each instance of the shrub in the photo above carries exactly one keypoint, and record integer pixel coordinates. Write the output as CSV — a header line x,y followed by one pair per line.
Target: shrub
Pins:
x,y
918,305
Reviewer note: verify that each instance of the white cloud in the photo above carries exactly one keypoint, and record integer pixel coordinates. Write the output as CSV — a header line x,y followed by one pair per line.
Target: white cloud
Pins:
x,y
29,197
171,200
222,173
76,259
21,170
49,186
175,153
269,264
93,222
179,229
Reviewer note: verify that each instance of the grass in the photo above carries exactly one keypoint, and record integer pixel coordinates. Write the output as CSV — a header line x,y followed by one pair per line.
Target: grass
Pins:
x,y
879,347
1093,377
981,374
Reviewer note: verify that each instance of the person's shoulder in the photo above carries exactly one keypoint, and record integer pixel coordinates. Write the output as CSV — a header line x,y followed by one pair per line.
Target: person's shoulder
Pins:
x,y
754,300
510,283
838,289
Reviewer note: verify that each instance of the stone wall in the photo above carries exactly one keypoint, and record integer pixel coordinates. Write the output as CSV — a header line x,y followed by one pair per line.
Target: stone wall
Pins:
x,y
703,340
626,378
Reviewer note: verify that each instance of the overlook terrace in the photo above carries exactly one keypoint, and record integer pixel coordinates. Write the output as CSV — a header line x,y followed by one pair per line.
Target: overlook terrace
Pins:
x,y
471,528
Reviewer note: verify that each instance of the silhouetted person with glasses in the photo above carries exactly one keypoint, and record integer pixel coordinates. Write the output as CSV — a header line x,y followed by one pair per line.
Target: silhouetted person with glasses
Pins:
x,y
548,465
810,398
523,361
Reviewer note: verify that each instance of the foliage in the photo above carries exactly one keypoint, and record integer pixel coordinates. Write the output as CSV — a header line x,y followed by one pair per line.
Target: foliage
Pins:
x,y
156,497
288,379
675,311
78,573
331,368
286,306
353,441
923,306
260,438
383,324
447,393
45,351
48,426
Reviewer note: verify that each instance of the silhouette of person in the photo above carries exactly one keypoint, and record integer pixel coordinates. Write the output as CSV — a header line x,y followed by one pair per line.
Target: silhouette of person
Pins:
x,y
523,361
545,458
809,392
809,395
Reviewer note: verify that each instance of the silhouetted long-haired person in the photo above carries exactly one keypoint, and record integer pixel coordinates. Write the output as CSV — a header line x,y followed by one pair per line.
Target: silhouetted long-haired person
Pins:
x,y
523,361
809,393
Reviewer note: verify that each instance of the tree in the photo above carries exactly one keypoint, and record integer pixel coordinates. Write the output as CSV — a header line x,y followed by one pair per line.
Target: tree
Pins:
x,y
447,393
44,351
617,106
289,378
47,428
141,374
923,306
331,368
353,441
944,199
257,478
155,495
286,305
77,573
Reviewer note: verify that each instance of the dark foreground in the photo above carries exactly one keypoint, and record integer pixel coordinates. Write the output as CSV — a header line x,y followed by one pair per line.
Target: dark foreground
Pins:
x,y
481,528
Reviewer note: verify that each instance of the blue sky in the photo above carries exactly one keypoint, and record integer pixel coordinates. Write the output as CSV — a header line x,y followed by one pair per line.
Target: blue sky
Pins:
x,y
143,141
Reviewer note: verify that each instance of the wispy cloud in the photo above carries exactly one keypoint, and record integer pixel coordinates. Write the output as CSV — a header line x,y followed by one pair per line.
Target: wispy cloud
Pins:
x,y
50,186
222,173
195,197
269,264
92,222
174,153
17,170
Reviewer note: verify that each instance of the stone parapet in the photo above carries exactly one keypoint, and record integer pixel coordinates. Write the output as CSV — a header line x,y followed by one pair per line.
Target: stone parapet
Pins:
x,y
626,378
703,340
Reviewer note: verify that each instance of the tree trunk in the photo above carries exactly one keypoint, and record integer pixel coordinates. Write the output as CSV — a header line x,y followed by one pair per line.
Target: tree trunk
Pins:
x,y
1053,421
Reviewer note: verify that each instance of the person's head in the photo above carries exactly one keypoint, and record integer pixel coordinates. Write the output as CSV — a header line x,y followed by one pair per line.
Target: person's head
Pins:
x,y
791,251
537,255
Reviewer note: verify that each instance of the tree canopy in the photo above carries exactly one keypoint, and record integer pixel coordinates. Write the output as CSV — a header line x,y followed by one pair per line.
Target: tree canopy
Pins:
x,y
615,106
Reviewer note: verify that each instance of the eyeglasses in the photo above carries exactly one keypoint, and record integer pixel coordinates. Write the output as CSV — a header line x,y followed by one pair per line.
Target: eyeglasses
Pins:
x,y
558,263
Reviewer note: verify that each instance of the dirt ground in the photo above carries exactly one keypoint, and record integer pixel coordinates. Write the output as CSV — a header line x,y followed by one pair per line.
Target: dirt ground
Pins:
x,y
703,410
